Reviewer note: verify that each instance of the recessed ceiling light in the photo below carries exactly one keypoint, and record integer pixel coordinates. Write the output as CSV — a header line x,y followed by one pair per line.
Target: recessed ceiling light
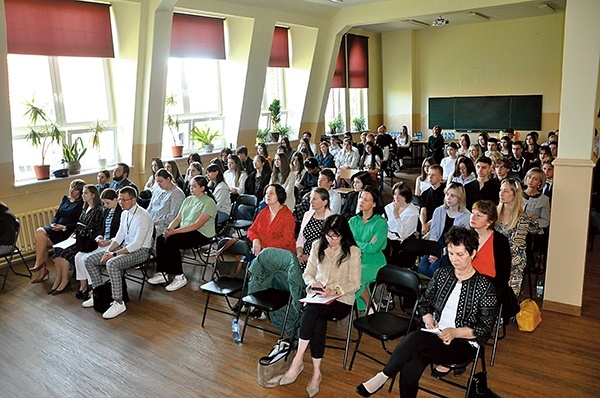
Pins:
x,y
479,15
416,22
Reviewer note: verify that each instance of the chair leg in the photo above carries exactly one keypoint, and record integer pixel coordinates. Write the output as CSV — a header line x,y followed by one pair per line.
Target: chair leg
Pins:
x,y
24,263
355,350
348,339
205,308
245,323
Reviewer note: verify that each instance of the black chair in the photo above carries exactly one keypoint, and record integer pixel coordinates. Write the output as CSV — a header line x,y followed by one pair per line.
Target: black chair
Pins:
x,y
499,325
228,276
414,249
239,225
478,355
141,277
200,255
8,256
385,326
348,339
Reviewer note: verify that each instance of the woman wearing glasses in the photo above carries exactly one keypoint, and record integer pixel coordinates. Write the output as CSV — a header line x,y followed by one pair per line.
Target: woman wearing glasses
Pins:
x,y
333,270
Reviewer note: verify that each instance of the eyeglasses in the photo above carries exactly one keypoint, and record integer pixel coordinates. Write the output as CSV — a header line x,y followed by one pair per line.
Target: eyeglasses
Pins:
x,y
333,236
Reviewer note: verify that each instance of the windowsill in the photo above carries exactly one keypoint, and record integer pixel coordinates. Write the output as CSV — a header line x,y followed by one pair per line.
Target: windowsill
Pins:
x,y
83,175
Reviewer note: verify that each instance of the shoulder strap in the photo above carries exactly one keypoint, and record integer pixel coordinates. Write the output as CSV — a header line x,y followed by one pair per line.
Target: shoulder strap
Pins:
x,y
227,245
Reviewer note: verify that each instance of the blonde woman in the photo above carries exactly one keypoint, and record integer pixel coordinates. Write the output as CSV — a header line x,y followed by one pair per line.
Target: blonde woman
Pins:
x,y
474,152
452,213
514,224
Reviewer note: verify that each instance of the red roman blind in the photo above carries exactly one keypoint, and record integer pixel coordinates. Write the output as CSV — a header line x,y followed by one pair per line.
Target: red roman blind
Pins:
x,y
195,36
357,48
280,52
58,28
352,66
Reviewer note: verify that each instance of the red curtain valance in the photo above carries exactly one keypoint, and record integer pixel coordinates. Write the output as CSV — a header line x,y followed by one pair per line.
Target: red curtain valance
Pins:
x,y
280,52
194,36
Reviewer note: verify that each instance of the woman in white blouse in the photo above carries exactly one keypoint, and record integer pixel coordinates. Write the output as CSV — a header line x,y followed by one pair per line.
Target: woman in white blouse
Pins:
x,y
235,176
402,218
283,175
220,191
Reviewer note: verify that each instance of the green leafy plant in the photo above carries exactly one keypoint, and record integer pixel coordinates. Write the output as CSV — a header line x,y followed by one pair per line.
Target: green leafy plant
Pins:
x,y
275,109
336,125
204,136
262,135
97,129
284,131
172,122
72,153
359,123
43,132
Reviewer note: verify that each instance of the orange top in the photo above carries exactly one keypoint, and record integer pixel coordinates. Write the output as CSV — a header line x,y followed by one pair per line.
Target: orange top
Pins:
x,y
484,259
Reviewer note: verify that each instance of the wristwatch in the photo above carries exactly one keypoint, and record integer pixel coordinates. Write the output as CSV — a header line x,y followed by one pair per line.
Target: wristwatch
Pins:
x,y
114,254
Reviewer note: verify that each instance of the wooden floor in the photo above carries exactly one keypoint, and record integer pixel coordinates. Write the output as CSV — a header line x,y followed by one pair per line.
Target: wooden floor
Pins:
x,y
51,346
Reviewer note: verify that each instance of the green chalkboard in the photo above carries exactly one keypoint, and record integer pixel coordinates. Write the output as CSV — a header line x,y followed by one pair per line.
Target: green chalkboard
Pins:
x,y
491,113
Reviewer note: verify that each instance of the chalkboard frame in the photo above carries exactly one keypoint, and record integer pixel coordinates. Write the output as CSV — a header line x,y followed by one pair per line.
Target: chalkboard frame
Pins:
x,y
521,112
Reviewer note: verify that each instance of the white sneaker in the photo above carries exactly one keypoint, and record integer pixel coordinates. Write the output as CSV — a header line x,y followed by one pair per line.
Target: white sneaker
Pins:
x,y
115,309
89,303
158,278
178,282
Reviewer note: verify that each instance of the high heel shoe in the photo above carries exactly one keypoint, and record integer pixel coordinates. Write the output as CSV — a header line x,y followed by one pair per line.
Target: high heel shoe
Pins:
x,y
43,276
363,392
38,267
438,374
66,288
315,390
289,380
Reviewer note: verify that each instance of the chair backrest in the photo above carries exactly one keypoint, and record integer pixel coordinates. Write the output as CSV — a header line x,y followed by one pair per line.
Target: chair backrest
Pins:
x,y
400,281
229,267
346,174
17,226
423,247
248,200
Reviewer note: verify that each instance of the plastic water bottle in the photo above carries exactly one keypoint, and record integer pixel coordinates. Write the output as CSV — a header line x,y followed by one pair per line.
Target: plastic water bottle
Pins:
x,y
235,331
539,287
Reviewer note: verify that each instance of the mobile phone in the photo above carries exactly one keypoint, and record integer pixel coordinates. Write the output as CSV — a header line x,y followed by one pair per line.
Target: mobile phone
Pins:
x,y
317,289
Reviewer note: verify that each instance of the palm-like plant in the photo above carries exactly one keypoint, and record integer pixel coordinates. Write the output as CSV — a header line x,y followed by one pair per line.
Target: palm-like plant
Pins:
x,y
172,122
43,132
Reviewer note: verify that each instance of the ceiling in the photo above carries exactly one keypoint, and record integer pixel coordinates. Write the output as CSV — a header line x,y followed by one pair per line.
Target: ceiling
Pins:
x,y
506,12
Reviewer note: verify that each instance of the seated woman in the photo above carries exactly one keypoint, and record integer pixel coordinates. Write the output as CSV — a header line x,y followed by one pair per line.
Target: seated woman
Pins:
x,y
235,176
194,169
156,165
289,151
110,226
261,149
514,224
274,225
298,168
325,158
102,177
371,162
452,213
404,142
193,226
460,302
165,202
402,219
464,172
304,144
255,185
464,142
359,181
536,205
333,270
282,174
312,223
7,229
475,152
171,167
62,226
220,191
369,229
421,183
91,217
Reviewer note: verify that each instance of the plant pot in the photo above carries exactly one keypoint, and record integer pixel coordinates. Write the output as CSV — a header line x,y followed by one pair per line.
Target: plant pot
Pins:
x,y
101,164
177,151
274,136
74,168
42,172
209,148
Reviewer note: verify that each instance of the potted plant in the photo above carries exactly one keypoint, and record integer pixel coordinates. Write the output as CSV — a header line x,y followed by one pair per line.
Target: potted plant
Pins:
x,y
42,133
275,109
72,155
262,135
336,125
359,123
173,124
205,137
97,128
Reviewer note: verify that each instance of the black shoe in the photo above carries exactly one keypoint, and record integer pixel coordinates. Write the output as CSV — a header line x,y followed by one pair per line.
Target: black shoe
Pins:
x,y
258,314
51,291
438,374
362,391
83,294
459,371
66,288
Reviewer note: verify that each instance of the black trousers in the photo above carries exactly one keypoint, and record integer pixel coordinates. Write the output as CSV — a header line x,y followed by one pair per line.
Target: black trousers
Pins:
x,y
313,325
168,255
412,356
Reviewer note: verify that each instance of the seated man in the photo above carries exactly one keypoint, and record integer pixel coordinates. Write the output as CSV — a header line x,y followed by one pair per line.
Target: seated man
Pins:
x,y
485,187
129,247
121,177
309,180
432,197
326,178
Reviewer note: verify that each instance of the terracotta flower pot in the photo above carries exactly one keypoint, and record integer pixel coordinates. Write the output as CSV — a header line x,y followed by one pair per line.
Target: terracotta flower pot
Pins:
x,y
42,172
177,151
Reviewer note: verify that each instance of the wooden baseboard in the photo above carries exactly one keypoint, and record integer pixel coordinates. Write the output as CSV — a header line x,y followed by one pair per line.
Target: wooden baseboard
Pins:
x,y
562,308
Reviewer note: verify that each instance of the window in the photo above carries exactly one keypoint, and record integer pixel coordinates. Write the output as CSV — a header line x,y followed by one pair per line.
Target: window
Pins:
x,y
274,89
194,83
74,91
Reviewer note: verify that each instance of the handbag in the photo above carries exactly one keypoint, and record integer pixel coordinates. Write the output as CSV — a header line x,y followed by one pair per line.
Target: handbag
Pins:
x,y
228,268
103,296
272,367
84,241
479,387
529,317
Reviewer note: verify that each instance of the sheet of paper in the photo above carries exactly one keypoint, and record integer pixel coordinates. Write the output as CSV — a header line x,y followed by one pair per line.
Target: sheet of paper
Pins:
x,y
314,299
65,243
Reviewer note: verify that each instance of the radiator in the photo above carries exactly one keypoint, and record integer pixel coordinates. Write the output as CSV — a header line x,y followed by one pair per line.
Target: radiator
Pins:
x,y
31,221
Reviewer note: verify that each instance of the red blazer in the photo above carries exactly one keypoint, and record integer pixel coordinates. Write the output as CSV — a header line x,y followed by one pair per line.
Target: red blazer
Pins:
x,y
278,234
